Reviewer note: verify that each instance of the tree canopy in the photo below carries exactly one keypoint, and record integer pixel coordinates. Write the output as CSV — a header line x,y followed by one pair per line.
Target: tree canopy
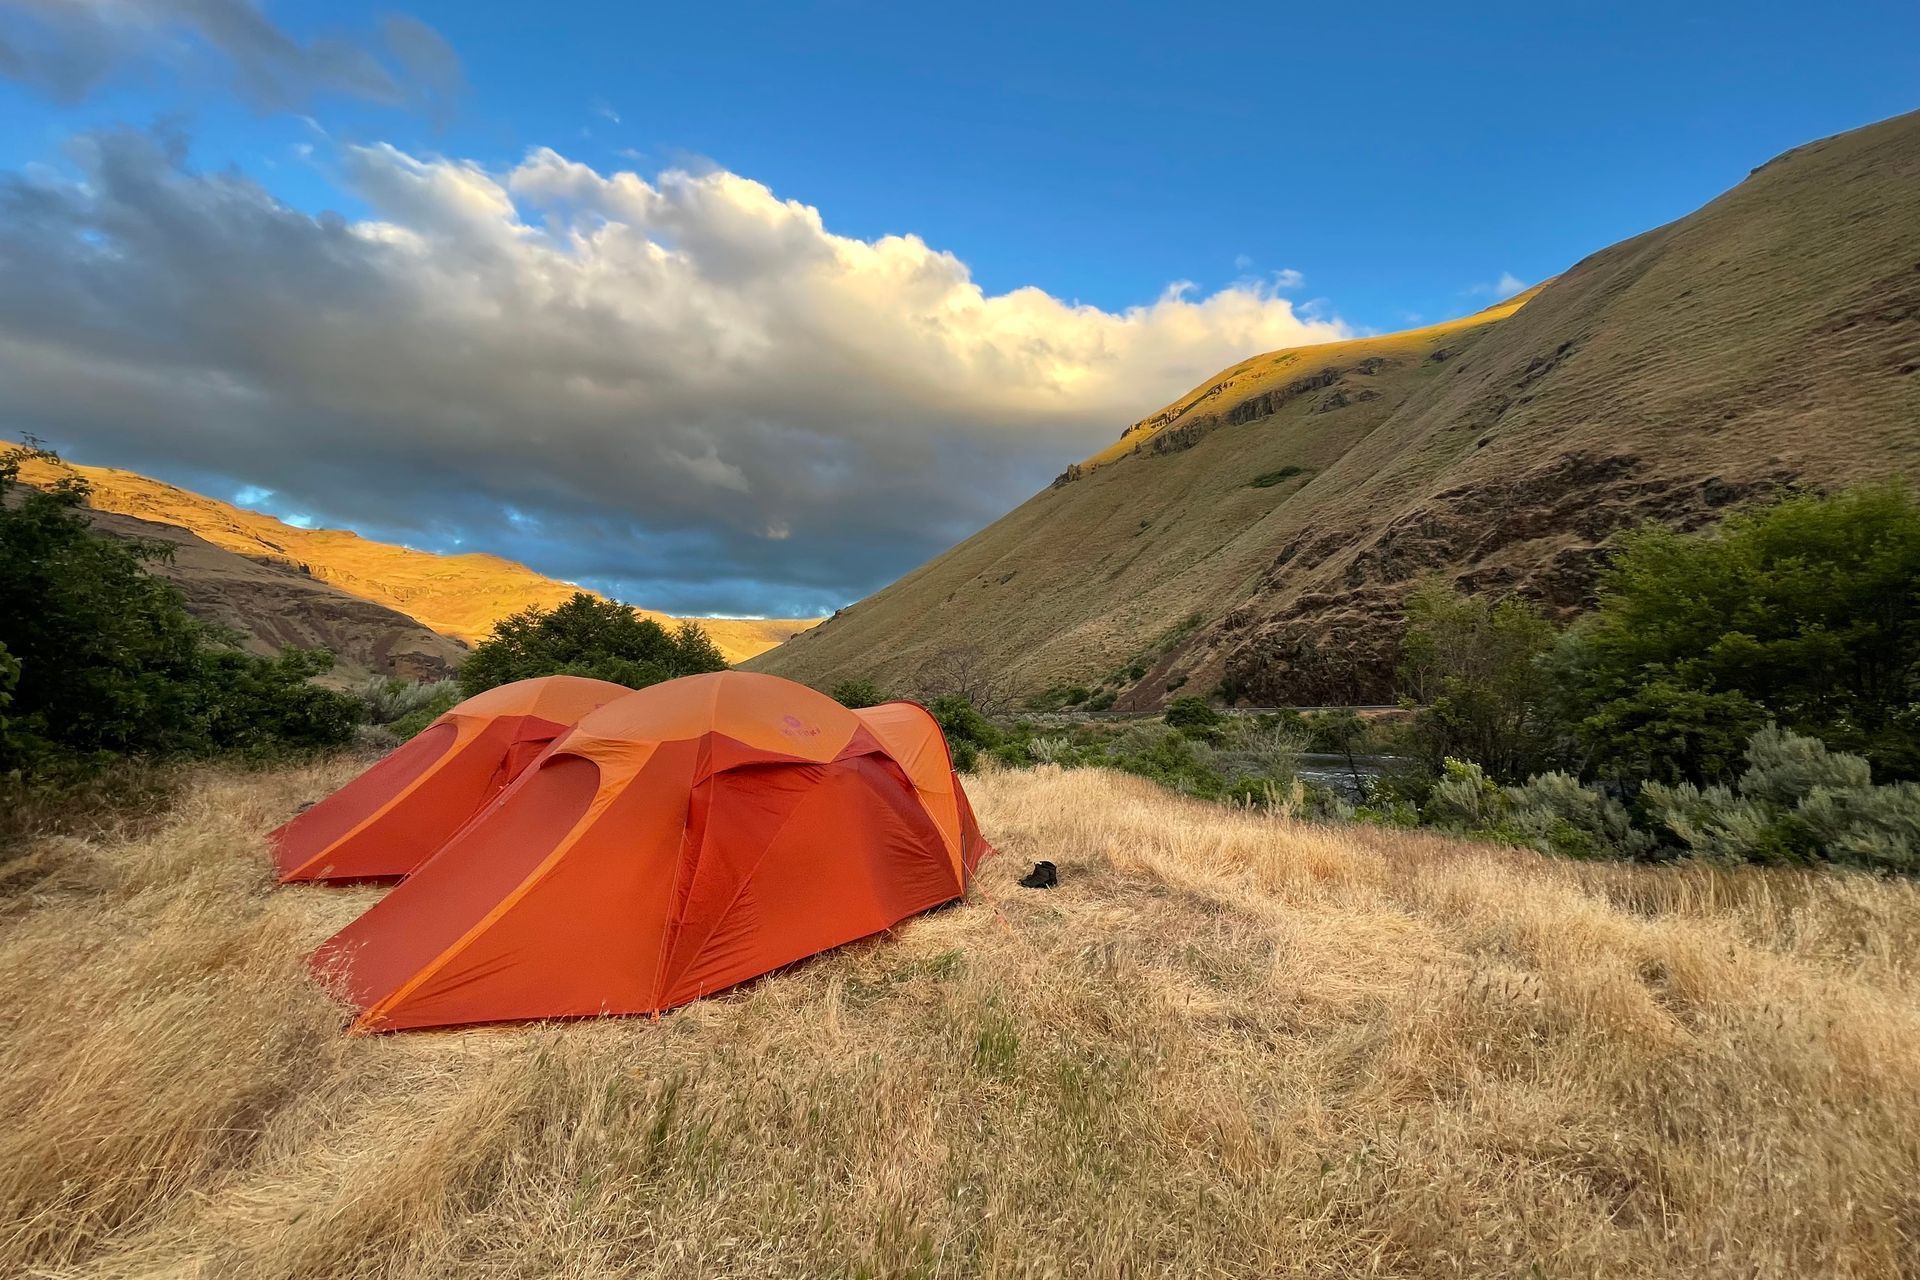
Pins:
x,y
588,636
1475,664
1805,613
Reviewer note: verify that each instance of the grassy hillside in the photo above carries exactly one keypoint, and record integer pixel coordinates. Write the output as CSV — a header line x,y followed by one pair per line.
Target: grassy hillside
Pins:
x,y
1226,1045
1770,339
456,595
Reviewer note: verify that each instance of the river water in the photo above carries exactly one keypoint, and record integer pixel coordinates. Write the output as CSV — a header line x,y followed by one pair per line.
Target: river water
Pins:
x,y
1332,772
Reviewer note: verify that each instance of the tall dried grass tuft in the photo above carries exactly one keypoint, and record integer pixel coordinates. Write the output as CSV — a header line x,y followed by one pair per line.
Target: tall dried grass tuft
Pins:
x,y
1227,1044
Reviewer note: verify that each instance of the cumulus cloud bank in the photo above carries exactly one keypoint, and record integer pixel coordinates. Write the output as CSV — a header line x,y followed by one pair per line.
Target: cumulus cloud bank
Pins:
x,y
69,48
684,389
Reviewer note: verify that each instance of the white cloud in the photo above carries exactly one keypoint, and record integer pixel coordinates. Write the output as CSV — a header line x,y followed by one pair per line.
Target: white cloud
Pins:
x,y
600,107
1505,287
684,379
1288,278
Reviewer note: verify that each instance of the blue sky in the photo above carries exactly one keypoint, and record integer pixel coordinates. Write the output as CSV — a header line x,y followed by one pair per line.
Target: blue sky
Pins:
x,y
1402,159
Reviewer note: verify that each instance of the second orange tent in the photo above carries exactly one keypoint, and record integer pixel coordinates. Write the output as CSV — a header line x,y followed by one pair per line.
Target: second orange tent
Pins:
x,y
397,814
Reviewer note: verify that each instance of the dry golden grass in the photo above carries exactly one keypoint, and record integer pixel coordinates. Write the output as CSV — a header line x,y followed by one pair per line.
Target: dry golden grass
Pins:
x,y
1227,1045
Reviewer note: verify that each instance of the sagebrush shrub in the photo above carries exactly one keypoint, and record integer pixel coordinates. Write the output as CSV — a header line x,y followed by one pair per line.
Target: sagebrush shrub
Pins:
x,y
1556,813
1248,747
1465,798
1785,768
1796,802
1050,750
1715,822
1866,826
389,698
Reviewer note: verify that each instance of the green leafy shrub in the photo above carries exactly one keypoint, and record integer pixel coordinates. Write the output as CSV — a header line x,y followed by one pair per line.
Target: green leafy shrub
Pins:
x,y
1058,696
1192,714
1477,666
587,636
968,732
1667,732
1168,757
262,705
1387,809
1268,479
858,693
9,677
1335,732
1101,701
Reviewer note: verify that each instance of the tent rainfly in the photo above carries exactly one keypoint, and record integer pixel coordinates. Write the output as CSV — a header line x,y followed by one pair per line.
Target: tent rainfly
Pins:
x,y
676,842
394,816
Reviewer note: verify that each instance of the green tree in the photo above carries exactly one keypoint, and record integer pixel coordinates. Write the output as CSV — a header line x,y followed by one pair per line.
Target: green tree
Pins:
x,y
259,705
1476,666
103,658
588,636
9,677
858,693
1805,612
1192,714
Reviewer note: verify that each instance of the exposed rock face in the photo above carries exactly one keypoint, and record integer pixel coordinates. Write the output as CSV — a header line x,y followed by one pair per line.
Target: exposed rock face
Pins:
x,y
1769,341
273,605
1540,535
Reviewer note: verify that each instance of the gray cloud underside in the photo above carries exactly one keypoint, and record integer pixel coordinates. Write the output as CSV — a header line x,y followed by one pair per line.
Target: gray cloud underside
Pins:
x,y
687,390
69,48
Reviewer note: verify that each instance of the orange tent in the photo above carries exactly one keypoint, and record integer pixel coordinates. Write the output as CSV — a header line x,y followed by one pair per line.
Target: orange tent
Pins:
x,y
677,842
394,816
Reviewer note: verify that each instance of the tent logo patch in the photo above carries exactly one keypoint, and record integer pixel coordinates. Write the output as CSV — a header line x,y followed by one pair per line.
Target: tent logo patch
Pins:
x,y
794,727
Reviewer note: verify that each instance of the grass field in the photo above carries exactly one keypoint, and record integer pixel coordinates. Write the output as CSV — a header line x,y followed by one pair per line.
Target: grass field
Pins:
x,y
1226,1045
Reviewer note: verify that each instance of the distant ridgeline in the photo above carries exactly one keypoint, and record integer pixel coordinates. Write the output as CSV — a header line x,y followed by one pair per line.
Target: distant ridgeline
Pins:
x,y
428,607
